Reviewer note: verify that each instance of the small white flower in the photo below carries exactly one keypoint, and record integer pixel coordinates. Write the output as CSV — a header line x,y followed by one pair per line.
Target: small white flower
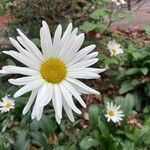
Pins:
x,y
119,2
113,113
116,2
114,48
7,104
123,2
53,73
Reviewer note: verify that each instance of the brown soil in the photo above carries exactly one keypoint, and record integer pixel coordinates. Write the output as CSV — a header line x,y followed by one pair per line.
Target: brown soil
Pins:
x,y
4,20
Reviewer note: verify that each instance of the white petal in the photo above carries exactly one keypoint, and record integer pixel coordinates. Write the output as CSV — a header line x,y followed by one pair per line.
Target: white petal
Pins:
x,y
67,46
68,98
23,80
39,113
68,111
17,45
74,48
74,32
57,101
32,47
83,75
49,91
33,114
19,70
46,40
94,70
81,54
74,93
29,87
23,59
24,52
83,64
57,40
58,119
84,87
66,34
3,72
30,101
90,56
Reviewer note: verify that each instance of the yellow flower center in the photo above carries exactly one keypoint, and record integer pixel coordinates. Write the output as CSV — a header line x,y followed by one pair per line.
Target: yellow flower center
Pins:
x,y
111,113
8,104
53,70
114,51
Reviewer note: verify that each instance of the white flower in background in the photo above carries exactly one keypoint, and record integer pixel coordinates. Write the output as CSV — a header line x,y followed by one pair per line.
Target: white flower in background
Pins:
x,y
119,2
113,113
122,2
53,72
114,48
7,104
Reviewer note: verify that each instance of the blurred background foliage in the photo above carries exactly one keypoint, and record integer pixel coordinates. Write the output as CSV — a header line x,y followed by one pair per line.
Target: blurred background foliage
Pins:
x,y
126,82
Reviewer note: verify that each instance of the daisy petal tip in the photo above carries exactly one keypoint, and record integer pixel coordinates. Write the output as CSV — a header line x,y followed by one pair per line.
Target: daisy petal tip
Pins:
x,y
16,95
24,112
10,80
93,45
2,71
84,106
79,112
5,52
11,39
38,118
72,120
70,24
43,22
97,93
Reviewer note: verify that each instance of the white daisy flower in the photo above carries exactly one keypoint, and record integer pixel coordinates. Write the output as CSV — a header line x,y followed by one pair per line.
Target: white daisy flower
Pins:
x,y
113,113
119,2
53,72
114,48
7,104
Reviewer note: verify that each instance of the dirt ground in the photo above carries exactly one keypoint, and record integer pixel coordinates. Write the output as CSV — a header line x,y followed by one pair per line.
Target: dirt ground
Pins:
x,y
141,16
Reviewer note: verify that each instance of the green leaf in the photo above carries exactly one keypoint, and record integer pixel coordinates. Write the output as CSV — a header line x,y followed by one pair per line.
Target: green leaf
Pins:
x,y
144,70
47,125
131,71
22,141
147,30
128,103
147,89
87,26
88,142
94,112
128,85
103,127
39,139
146,109
99,13
2,147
